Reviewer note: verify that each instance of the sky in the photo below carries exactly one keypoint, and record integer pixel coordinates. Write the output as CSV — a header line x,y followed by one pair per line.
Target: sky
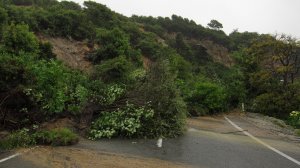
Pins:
x,y
263,16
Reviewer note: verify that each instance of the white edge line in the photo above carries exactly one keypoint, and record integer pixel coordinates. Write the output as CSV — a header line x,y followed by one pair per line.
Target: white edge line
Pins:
x,y
263,143
10,157
17,154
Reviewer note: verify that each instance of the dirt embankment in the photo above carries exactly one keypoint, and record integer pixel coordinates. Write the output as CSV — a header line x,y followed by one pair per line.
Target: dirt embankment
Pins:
x,y
219,53
71,52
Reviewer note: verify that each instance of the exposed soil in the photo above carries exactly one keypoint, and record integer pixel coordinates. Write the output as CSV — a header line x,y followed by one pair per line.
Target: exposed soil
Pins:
x,y
210,123
59,123
219,53
273,125
71,52
146,62
62,157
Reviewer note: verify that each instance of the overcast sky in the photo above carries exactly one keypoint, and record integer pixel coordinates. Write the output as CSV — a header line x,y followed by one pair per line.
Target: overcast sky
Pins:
x,y
263,16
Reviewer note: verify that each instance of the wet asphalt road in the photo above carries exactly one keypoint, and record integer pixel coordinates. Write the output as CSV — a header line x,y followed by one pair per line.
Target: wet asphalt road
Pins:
x,y
197,148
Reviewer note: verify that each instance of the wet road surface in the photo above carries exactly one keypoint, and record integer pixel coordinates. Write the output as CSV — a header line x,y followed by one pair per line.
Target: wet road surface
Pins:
x,y
208,143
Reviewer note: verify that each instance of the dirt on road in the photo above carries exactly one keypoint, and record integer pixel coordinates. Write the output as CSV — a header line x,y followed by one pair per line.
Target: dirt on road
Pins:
x,y
185,151
68,157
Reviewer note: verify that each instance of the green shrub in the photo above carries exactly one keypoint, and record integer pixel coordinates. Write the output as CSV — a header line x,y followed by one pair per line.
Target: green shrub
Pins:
x,y
114,70
56,137
208,97
20,138
277,104
126,122
114,43
294,119
45,51
18,38
55,88
105,94
169,108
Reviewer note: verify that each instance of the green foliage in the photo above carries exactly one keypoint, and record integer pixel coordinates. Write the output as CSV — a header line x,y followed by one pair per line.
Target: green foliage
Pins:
x,y
18,38
54,87
45,51
242,40
169,108
12,71
187,27
294,119
114,70
270,69
207,97
56,137
149,47
126,122
113,43
233,81
3,19
17,139
214,24
100,15
276,103
183,48
105,94
182,67
68,23
25,138
69,5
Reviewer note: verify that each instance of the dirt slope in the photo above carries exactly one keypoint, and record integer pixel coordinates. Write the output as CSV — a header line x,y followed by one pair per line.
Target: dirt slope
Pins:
x,y
219,53
71,52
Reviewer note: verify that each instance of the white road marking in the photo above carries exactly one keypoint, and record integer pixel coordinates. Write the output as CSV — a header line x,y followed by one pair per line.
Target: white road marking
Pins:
x,y
263,143
10,157
17,154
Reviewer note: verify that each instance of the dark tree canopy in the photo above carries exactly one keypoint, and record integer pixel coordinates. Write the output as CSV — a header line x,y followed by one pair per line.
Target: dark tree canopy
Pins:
x,y
214,24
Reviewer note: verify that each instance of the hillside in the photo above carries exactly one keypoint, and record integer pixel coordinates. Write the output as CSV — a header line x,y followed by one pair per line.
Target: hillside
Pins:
x,y
134,76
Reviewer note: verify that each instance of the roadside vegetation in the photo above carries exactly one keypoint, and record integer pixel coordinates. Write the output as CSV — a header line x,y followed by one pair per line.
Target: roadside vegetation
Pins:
x,y
148,74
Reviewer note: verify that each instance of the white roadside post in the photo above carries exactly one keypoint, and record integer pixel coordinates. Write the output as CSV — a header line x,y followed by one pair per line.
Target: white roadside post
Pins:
x,y
243,107
159,143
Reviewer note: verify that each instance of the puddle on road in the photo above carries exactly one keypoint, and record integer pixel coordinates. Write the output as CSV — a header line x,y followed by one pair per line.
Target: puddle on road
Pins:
x,y
64,157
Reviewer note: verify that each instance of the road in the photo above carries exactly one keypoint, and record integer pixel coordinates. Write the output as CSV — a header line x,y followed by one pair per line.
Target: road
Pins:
x,y
210,142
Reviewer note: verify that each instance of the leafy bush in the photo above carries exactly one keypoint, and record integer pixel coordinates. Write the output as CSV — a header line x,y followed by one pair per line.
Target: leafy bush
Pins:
x,y
45,51
125,122
278,103
294,119
23,138
169,108
105,94
56,137
208,97
269,104
18,38
113,43
114,70
54,87
20,138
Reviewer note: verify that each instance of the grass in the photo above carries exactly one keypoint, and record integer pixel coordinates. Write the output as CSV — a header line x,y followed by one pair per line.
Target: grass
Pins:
x,y
17,139
23,138
56,137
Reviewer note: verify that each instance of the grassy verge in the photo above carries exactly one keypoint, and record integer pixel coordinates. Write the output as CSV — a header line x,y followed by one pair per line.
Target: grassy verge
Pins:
x,y
25,138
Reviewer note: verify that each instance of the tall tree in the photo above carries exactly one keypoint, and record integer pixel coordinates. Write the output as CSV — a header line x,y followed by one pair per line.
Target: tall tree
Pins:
x,y
214,24
279,55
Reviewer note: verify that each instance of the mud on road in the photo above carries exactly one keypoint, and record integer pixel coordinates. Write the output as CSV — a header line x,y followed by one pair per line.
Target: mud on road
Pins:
x,y
209,142
61,157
